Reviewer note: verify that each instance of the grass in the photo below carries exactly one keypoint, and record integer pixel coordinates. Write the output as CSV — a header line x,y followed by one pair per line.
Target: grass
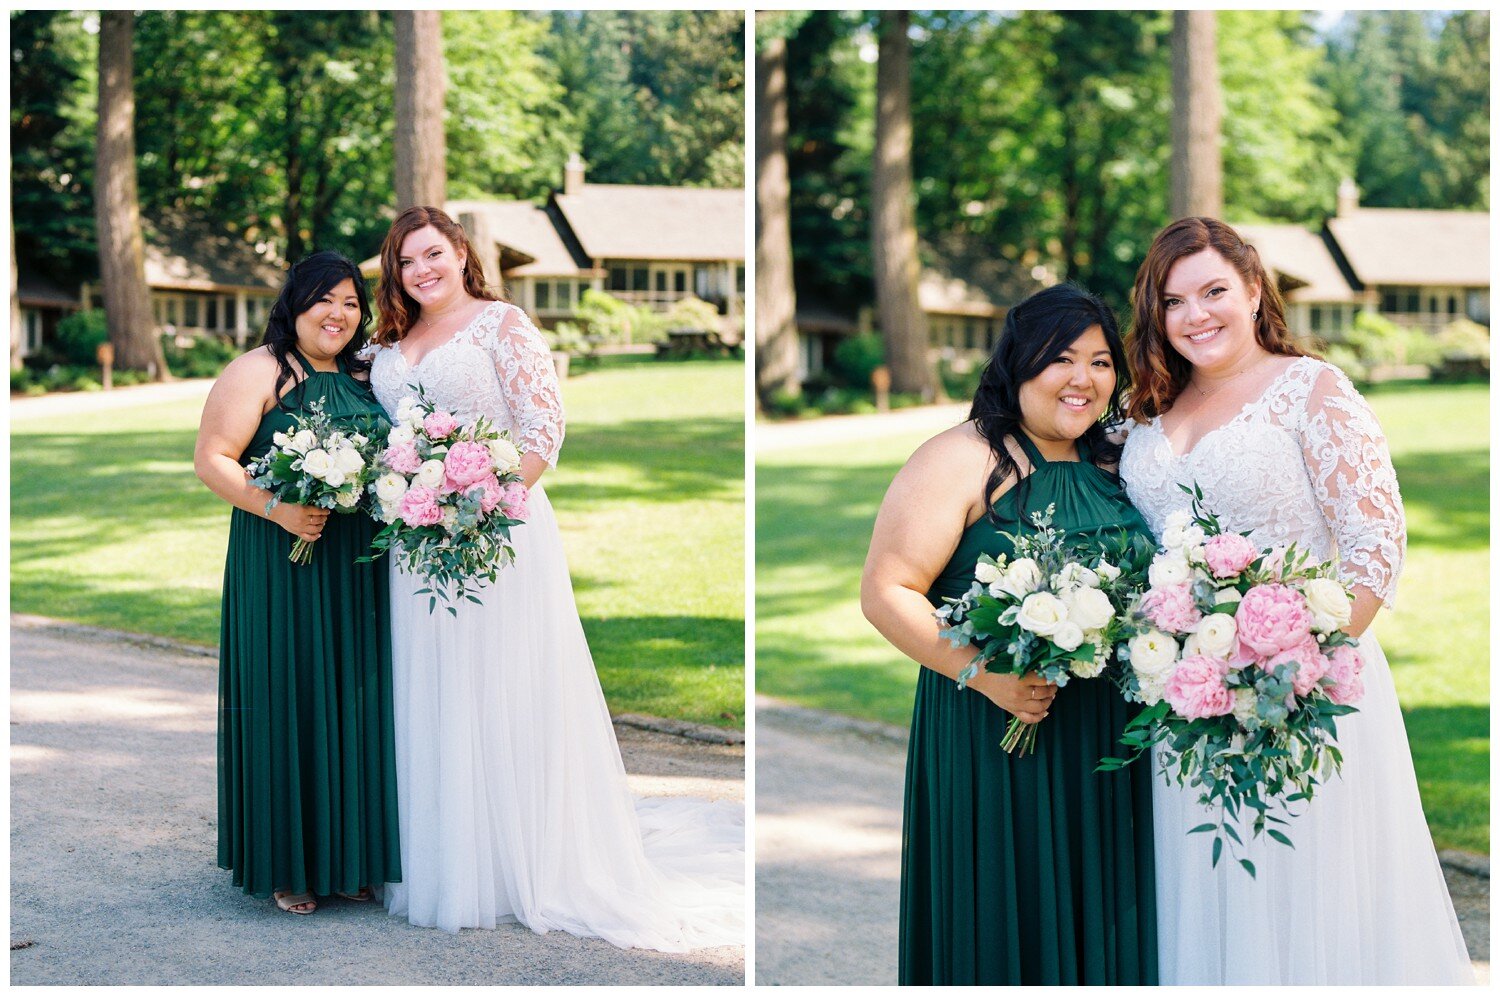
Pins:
x,y
815,508
110,527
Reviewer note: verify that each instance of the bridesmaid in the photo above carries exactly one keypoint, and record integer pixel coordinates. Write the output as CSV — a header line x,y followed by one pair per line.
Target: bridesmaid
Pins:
x,y
1027,870
307,780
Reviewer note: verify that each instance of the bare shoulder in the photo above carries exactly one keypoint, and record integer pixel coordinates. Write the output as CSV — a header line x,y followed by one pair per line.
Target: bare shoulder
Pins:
x,y
955,451
247,368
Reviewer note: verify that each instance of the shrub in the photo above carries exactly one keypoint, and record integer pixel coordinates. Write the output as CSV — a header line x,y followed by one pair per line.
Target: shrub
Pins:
x,y
205,356
856,358
691,313
1464,340
568,338
960,377
80,335
609,320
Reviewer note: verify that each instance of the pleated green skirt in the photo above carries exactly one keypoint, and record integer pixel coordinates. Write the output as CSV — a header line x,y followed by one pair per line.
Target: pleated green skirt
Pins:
x,y
307,773
1024,870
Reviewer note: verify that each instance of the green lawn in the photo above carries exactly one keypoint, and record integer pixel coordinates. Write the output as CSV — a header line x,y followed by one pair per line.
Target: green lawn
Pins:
x,y
815,508
109,526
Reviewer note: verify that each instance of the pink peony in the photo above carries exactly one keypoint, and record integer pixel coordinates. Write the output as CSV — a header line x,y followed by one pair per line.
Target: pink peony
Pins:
x,y
1171,608
1272,618
492,492
1196,690
1228,554
439,425
1310,665
1344,667
402,458
513,501
419,507
466,463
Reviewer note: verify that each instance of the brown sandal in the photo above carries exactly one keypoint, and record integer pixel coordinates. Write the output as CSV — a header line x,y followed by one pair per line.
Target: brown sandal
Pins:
x,y
289,903
364,895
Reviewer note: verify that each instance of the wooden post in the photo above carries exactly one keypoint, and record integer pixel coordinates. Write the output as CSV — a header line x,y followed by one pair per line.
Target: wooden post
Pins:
x,y
880,380
106,357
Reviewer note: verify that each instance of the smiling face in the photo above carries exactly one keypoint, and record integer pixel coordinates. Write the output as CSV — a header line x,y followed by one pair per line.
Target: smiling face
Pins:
x,y
1206,308
431,269
1071,393
326,328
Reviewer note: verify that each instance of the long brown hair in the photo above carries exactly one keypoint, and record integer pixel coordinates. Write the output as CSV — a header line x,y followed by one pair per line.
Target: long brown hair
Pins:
x,y
1158,371
398,309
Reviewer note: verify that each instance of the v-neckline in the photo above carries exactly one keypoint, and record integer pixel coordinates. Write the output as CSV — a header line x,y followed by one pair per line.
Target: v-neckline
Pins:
x,y
1245,409
446,342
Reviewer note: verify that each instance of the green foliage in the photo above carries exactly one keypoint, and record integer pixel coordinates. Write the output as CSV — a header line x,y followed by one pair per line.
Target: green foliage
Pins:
x,y
855,359
206,356
1375,340
607,320
960,378
691,313
79,336
1464,340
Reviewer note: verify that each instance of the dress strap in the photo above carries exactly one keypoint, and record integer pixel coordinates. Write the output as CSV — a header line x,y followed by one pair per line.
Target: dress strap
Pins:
x,y
307,366
1029,448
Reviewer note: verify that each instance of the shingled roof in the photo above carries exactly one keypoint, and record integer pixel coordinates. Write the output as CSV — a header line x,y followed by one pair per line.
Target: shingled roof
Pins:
x,y
623,221
536,246
186,255
1402,246
1293,252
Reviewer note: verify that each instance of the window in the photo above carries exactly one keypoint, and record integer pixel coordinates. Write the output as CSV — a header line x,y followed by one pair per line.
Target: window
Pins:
x,y
229,314
619,277
1316,317
739,279
543,295
661,281
564,294
1390,300
679,281
640,278
33,331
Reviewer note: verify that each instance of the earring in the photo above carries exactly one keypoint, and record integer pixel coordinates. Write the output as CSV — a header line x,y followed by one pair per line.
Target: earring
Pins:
x,y
1255,315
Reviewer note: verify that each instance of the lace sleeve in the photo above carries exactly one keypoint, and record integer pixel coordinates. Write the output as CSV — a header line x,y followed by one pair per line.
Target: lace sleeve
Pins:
x,y
529,385
1355,484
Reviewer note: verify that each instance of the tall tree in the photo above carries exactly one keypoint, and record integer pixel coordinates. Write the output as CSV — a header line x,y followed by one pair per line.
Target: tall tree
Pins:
x,y
893,226
1197,113
775,293
421,165
122,268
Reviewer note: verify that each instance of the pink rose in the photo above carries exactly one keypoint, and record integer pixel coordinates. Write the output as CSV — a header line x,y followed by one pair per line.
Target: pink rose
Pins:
x,y
402,458
419,507
1272,618
1228,554
491,492
1196,690
513,501
439,425
1171,608
1310,664
466,463
1344,667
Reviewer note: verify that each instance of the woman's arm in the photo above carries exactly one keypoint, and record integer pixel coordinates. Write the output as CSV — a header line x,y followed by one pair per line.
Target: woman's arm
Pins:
x,y
529,384
916,531
240,397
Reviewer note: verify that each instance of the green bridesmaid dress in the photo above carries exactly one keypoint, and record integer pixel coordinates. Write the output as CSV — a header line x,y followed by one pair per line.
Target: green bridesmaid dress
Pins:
x,y
1027,870
307,765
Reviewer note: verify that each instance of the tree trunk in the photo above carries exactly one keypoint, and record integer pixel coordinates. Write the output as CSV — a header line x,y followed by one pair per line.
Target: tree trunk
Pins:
x,y
1197,112
893,215
775,292
16,332
421,169
122,267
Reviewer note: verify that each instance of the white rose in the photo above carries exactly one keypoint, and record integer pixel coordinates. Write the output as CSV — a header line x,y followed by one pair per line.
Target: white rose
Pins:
x,y
1225,596
1022,577
450,518
430,474
1214,636
1074,576
348,499
348,460
1090,608
414,417
986,573
335,478
1153,656
1068,635
400,435
507,458
318,463
1169,569
302,441
1107,571
389,511
1329,603
1042,613
1244,708
281,439
358,439
404,408
390,487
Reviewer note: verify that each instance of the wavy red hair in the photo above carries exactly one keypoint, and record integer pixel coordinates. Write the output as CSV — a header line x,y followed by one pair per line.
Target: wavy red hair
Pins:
x,y
398,309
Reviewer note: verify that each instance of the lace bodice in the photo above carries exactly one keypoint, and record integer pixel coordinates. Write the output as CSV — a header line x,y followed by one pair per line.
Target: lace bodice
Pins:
x,y
1306,462
498,366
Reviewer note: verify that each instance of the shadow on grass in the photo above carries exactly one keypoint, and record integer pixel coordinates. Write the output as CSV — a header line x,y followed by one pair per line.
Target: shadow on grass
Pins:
x,y
691,667
1450,748
657,460
1451,491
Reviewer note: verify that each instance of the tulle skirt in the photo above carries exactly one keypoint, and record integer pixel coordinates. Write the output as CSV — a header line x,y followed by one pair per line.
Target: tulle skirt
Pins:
x,y
1361,899
513,798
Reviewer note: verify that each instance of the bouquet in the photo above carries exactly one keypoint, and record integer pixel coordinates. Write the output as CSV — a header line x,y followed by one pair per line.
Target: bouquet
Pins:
x,y
317,463
1238,654
449,495
1053,611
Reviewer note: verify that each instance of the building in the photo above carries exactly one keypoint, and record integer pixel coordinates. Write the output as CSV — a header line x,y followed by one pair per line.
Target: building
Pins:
x,y
1420,268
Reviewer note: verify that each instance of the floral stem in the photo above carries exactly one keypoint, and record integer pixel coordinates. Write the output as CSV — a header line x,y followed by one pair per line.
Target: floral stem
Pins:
x,y
1020,738
301,552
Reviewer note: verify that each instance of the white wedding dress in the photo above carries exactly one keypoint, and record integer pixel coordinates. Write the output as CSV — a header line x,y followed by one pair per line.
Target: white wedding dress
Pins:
x,y
513,798
1361,899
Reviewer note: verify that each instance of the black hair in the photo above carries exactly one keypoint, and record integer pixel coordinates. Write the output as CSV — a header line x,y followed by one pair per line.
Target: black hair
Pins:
x,y
1037,331
306,283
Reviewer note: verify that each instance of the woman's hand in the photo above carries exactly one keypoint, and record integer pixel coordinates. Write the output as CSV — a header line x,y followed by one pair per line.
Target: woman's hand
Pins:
x,y
302,521
1026,697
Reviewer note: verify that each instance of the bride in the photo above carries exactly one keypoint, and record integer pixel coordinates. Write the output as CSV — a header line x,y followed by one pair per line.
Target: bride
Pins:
x,y
512,797
1282,445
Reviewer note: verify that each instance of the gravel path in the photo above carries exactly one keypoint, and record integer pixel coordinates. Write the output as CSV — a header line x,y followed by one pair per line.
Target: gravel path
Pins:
x,y
113,875
828,852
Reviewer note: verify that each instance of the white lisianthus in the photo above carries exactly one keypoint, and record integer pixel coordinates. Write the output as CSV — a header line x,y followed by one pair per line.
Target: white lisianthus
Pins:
x,y
1244,708
507,458
390,487
986,573
1042,613
1090,608
430,474
281,439
348,460
1153,655
1225,596
335,478
303,441
318,463
1074,576
348,499
400,435
1169,570
1022,577
450,519
1068,635
1329,603
1107,571
1214,636
1091,668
